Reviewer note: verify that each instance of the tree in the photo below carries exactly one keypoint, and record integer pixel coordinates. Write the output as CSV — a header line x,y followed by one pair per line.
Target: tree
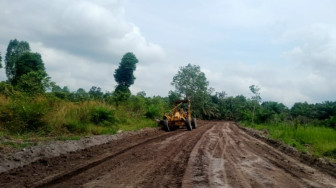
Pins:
x,y
26,63
24,69
233,108
0,61
34,82
29,74
59,92
121,93
14,50
141,93
218,97
325,110
255,98
124,77
81,94
124,74
173,96
96,93
272,112
191,83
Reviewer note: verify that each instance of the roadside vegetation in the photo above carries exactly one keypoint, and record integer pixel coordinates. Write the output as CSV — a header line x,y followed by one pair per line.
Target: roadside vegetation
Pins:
x,y
33,107
319,140
29,119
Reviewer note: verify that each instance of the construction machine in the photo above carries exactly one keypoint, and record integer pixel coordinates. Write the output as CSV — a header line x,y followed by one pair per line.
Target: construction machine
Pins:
x,y
179,116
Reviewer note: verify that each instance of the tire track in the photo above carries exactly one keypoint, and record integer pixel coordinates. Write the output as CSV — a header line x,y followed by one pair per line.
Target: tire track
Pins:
x,y
217,166
67,175
245,161
287,167
195,172
53,170
160,163
216,154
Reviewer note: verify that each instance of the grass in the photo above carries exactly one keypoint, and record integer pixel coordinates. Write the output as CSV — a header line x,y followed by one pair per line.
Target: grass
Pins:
x,y
137,124
9,142
18,145
318,140
70,137
26,121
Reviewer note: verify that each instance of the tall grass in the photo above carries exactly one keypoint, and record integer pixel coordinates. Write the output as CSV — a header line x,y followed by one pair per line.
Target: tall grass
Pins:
x,y
23,118
315,139
128,120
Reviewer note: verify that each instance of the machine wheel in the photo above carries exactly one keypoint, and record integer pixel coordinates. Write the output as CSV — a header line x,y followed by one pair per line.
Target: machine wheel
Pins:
x,y
188,125
194,123
165,125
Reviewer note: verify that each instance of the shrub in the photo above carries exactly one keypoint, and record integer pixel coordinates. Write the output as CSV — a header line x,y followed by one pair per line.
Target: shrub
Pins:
x,y
152,112
76,126
331,122
6,89
23,114
330,153
103,115
137,104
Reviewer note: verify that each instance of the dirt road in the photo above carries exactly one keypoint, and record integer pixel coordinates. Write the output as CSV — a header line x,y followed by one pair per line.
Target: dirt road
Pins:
x,y
216,154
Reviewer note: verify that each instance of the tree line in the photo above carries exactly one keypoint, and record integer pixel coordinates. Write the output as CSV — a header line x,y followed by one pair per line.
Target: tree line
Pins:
x,y
190,82
26,74
31,102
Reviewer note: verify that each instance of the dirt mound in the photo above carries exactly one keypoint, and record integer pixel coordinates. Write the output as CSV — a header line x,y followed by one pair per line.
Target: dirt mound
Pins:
x,y
55,148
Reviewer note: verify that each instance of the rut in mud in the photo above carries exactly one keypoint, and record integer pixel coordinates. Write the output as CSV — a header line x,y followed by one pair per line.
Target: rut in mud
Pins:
x,y
216,154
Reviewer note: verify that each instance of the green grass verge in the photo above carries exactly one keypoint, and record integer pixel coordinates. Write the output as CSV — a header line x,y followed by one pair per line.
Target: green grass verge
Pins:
x,y
317,140
136,124
18,145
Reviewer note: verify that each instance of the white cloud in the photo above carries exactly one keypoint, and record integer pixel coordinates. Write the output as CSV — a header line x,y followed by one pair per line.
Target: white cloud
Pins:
x,y
285,47
317,48
282,83
75,71
81,42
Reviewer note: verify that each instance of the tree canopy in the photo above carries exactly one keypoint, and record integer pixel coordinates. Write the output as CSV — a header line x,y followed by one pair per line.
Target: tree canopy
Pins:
x,y
0,61
25,70
14,50
26,63
255,98
191,83
190,80
124,77
96,93
34,82
256,93
124,73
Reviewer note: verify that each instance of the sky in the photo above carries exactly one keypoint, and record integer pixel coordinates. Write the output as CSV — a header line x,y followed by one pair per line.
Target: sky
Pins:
x,y
287,48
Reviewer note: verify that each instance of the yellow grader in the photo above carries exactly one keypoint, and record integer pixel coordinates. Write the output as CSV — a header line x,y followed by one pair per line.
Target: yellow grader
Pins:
x,y
179,116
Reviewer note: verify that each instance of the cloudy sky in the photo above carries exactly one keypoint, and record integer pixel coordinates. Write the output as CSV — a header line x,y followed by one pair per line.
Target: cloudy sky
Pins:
x,y
287,48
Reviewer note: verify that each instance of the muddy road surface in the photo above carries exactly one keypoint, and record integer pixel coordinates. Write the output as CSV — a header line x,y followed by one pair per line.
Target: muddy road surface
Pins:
x,y
216,154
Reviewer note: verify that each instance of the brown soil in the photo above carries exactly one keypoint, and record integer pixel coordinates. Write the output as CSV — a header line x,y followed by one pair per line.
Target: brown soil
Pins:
x,y
216,154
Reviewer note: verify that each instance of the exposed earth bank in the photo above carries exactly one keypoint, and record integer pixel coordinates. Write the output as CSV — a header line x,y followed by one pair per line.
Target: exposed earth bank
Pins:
x,y
216,154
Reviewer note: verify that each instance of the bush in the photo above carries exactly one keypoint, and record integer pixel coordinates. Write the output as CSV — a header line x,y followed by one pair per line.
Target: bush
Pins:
x,y
103,115
331,122
76,127
138,105
6,89
24,114
153,112
330,153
